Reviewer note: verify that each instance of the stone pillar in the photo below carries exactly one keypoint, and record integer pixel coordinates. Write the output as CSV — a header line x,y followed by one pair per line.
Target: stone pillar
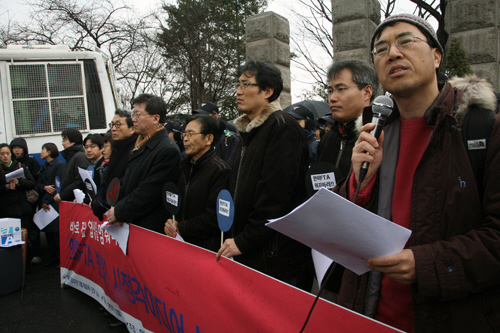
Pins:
x,y
268,39
353,24
475,23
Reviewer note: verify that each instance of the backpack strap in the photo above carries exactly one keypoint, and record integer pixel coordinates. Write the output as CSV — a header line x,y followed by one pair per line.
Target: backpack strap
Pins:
x,y
476,131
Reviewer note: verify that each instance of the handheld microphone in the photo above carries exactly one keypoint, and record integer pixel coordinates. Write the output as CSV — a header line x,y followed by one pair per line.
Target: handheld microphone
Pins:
x,y
382,108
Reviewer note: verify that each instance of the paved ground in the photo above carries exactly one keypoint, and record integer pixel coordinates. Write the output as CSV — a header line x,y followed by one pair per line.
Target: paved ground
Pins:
x,y
43,306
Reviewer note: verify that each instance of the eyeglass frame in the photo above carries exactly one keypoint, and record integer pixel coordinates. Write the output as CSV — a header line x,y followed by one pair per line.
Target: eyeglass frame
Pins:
x,y
117,125
189,134
137,115
244,85
374,51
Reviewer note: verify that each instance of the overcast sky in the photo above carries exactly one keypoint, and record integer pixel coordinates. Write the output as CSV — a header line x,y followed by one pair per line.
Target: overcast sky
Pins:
x,y
15,10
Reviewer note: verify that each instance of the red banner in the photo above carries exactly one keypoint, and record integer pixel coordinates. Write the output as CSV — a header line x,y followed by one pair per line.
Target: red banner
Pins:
x,y
164,285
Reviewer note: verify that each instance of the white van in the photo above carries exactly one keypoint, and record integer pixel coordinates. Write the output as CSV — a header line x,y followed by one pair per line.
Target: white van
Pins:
x,y
46,89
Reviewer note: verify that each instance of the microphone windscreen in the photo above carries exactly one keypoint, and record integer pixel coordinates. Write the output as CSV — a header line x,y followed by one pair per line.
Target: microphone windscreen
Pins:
x,y
383,105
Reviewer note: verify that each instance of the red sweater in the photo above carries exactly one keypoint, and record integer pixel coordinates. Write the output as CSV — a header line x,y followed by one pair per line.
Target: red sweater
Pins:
x,y
395,303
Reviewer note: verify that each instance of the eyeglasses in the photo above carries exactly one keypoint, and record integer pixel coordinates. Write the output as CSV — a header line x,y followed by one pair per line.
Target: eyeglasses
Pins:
x,y
403,42
137,115
117,125
244,85
339,90
188,134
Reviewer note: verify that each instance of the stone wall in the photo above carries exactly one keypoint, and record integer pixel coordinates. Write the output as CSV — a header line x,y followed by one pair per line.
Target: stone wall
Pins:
x,y
475,23
353,24
268,39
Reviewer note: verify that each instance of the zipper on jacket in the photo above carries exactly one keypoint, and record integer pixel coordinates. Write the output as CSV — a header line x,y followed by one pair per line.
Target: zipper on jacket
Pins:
x,y
238,174
341,150
448,264
186,187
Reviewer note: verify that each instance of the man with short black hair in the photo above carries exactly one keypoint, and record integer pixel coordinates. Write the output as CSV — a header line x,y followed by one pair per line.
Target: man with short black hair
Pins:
x,y
420,177
93,146
352,86
228,141
154,161
267,180
204,175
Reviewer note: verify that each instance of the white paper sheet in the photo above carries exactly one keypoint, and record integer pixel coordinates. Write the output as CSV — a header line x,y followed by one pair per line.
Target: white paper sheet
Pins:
x,y
19,173
321,265
341,230
43,218
79,195
120,233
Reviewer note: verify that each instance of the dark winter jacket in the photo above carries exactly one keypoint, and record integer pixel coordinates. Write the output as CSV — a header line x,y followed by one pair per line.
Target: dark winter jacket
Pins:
x,y
199,184
149,168
227,142
47,176
75,158
115,169
267,181
27,160
336,146
13,203
456,237
312,144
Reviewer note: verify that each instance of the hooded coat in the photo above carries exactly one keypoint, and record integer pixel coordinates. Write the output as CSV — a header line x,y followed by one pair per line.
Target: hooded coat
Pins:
x,y
27,160
75,158
13,203
455,235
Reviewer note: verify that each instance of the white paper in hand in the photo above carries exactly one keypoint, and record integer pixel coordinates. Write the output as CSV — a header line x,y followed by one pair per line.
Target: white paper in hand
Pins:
x,y
341,230
43,218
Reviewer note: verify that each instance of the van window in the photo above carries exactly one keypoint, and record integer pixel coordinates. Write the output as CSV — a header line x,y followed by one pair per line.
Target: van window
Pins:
x,y
48,97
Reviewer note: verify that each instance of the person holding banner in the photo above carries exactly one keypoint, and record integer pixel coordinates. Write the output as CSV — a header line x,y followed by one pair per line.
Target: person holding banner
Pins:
x,y
155,161
420,176
267,180
75,158
203,176
46,185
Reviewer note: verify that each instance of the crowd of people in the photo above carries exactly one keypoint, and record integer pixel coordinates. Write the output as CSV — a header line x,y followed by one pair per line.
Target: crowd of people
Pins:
x,y
419,176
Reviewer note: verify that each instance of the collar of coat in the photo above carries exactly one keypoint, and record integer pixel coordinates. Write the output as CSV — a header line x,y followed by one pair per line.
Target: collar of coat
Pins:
x,y
470,90
245,125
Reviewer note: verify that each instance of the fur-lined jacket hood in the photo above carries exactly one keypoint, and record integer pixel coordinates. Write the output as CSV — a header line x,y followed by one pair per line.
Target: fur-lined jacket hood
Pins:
x,y
470,91
245,125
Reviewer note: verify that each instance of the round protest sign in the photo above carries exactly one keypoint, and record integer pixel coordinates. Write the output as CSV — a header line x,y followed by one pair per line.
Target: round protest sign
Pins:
x,y
171,198
320,175
225,210
113,191
91,170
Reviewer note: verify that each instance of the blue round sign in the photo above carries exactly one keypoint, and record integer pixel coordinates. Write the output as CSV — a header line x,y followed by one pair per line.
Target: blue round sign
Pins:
x,y
91,170
58,184
225,210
